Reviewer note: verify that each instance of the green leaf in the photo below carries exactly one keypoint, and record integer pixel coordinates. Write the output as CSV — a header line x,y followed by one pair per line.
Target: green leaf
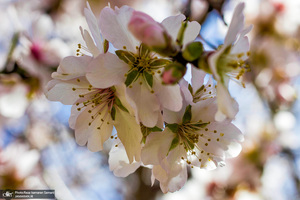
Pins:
x,y
146,131
193,51
149,78
120,105
126,56
173,127
131,77
156,129
187,115
180,34
174,143
190,89
113,113
160,62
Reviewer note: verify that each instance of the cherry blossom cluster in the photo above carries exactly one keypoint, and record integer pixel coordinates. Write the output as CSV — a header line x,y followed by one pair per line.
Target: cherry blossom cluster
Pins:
x,y
129,76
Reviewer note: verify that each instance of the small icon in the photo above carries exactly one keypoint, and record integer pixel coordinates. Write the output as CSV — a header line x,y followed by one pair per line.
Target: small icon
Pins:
x,y
8,194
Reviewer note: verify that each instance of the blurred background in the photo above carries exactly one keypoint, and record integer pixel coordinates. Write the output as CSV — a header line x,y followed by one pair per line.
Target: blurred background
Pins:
x,y
37,147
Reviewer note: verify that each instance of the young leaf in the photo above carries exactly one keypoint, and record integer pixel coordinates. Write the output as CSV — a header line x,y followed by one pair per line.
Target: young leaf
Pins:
x,y
113,113
174,143
131,77
149,78
156,129
187,115
173,127
120,105
125,56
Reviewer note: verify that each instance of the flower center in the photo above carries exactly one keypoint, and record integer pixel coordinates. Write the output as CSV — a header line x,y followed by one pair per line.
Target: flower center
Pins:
x,y
233,65
143,62
189,135
97,102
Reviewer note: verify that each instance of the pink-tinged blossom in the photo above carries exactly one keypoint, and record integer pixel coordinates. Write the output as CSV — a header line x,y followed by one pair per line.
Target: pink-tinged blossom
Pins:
x,y
228,62
192,137
136,66
95,110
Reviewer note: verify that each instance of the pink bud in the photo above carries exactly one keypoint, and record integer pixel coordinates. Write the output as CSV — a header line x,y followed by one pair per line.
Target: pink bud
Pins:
x,y
167,77
145,29
173,73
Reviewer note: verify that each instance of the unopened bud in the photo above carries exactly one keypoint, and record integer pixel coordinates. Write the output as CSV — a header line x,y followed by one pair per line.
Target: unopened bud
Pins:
x,y
173,73
192,51
148,31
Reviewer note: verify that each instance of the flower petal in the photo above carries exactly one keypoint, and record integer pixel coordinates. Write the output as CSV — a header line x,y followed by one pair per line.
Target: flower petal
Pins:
x,y
236,25
86,128
168,95
106,70
172,184
191,32
157,147
208,109
184,85
67,92
93,26
129,133
89,42
113,24
72,67
198,76
144,102
119,163
172,25
226,104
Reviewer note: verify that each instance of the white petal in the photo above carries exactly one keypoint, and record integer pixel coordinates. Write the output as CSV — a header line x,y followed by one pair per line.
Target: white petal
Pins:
x,y
185,91
89,42
236,25
157,147
64,92
145,103
242,44
230,131
129,133
175,117
204,110
85,133
191,32
168,95
93,26
72,67
172,184
172,25
73,116
234,149
106,70
114,27
198,76
119,163
212,62
226,104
